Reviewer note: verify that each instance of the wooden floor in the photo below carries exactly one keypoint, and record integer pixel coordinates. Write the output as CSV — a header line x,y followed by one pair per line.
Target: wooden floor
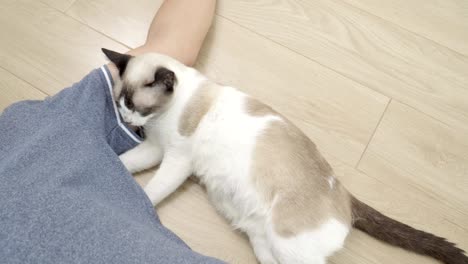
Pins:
x,y
380,86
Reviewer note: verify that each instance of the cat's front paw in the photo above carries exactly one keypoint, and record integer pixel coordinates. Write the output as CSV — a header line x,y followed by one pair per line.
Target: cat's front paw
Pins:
x,y
153,196
128,163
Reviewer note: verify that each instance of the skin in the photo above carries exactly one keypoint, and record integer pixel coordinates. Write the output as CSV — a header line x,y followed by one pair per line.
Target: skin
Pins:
x,y
178,30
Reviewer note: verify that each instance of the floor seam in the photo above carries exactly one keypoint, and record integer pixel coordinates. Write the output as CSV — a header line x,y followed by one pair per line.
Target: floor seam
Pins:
x,y
335,70
309,58
86,24
403,28
23,80
374,132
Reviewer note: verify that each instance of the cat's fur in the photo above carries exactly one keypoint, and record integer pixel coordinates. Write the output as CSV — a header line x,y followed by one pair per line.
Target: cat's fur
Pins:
x,y
260,171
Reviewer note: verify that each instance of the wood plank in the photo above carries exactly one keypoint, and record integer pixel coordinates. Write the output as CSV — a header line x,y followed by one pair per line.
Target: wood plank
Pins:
x,y
371,51
445,22
14,89
127,21
411,150
48,49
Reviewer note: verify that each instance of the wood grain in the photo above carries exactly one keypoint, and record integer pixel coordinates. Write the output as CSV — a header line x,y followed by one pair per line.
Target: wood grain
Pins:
x,y
13,89
424,153
47,48
369,50
445,22
127,22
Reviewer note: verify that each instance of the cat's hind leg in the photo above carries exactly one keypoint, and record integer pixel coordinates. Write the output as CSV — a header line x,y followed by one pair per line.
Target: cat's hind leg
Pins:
x,y
311,246
142,157
262,249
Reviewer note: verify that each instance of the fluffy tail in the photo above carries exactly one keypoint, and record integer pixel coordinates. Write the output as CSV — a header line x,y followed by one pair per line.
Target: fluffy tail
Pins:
x,y
398,234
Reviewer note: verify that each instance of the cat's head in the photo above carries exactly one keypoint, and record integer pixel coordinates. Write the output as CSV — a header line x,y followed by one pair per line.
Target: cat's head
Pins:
x,y
145,86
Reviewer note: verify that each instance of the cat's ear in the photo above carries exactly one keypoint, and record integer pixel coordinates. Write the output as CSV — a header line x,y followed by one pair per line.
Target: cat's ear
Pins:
x,y
120,60
165,77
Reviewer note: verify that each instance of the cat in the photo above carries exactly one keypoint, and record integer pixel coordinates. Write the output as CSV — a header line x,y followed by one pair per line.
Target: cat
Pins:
x,y
260,171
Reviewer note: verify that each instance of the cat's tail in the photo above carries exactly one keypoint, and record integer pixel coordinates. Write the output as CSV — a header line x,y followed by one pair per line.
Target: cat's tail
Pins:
x,y
384,228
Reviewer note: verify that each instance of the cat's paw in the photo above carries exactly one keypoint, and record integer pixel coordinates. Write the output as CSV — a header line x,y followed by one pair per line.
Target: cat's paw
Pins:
x,y
153,197
128,163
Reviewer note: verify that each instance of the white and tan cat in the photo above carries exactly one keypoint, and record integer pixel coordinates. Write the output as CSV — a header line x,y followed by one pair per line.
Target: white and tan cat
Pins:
x,y
260,171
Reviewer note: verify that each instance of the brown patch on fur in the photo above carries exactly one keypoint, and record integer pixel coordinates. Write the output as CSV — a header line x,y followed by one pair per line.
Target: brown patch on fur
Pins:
x,y
197,106
398,234
257,108
287,165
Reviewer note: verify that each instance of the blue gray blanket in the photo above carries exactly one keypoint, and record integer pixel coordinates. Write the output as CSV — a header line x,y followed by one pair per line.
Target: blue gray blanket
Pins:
x,y
65,197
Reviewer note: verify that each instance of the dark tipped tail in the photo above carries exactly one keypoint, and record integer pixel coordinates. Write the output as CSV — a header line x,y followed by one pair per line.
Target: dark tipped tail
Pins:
x,y
398,234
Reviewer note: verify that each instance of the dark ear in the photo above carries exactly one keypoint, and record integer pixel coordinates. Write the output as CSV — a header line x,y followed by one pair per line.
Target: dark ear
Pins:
x,y
120,60
165,77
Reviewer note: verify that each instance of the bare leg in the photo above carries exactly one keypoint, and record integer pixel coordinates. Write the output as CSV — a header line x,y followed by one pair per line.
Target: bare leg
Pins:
x,y
178,30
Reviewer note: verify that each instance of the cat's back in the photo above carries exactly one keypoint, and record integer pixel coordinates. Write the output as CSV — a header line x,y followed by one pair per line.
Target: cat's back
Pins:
x,y
218,120
239,141
223,138
213,107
